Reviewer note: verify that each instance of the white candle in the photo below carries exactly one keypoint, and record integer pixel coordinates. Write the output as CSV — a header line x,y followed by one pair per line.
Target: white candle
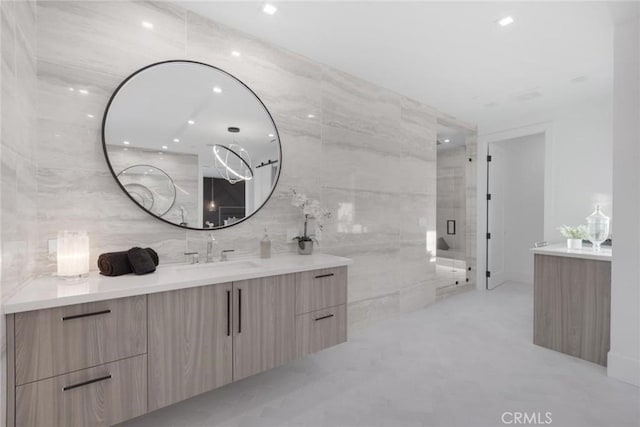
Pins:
x,y
73,253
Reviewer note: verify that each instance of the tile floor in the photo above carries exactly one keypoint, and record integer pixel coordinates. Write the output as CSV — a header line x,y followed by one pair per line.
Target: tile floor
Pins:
x,y
461,362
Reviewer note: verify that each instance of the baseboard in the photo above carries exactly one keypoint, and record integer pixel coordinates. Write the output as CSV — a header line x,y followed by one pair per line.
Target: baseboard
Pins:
x,y
623,368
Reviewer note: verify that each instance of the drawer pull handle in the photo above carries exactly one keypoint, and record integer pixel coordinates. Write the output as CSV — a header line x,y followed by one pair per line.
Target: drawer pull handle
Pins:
x,y
324,275
77,316
239,311
95,380
324,317
228,313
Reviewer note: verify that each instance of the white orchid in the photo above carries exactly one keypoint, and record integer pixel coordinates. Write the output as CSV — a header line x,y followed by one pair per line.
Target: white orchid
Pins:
x,y
298,200
311,210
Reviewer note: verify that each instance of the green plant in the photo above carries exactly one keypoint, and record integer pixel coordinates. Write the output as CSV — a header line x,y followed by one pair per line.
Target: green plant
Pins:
x,y
579,232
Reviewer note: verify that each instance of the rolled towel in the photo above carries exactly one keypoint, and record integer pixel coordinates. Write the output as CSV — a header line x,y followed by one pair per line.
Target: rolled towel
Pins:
x,y
141,261
117,263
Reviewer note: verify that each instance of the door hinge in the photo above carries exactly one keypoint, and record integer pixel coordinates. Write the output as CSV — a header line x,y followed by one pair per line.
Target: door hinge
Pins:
x,y
488,196
488,158
488,235
488,274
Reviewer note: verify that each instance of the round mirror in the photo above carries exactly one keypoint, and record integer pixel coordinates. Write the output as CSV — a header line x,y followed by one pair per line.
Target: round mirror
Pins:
x,y
191,145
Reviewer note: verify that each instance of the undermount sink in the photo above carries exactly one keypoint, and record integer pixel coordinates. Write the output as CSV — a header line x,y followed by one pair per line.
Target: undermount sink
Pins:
x,y
220,266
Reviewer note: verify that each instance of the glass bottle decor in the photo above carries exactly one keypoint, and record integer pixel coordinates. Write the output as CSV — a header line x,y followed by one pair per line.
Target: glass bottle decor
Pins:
x,y
597,228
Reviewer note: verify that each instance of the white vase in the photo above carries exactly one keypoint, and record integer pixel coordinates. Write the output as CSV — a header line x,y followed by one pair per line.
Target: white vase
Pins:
x,y
574,243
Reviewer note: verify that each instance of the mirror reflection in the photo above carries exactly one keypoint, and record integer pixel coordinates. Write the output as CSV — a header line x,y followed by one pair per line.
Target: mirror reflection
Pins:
x,y
191,145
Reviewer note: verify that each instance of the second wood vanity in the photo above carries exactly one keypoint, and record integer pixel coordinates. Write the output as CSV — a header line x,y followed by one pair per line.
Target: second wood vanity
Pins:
x,y
102,362
572,301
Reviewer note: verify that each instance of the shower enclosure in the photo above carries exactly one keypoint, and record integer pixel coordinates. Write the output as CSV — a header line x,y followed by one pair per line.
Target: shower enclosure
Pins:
x,y
453,237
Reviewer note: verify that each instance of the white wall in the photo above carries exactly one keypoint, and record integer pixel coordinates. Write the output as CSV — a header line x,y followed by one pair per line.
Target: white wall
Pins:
x,y
578,163
624,356
522,161
582,159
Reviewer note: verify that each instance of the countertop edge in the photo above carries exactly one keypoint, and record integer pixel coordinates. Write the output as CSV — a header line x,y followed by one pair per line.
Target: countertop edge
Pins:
x,y
563,251
11,307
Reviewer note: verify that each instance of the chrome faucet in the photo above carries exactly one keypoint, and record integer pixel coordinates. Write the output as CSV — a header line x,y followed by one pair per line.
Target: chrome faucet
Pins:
x,y
210,243
223,254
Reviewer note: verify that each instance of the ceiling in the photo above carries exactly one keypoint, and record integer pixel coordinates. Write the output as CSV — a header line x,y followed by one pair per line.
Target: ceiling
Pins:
x,y
450,55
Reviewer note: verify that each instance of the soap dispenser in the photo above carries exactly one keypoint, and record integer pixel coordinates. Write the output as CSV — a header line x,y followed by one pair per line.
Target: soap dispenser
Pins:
x,y
265,246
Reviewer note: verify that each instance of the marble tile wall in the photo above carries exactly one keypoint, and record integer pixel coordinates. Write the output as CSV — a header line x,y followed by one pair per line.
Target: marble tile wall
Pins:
x,y
18,203
367,153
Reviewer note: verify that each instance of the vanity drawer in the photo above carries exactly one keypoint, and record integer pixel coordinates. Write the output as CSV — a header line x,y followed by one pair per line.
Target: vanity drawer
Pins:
x,y
101,396
320,289
59,340
321,329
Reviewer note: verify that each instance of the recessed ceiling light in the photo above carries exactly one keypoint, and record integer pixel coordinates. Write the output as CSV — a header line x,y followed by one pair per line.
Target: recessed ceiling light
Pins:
x,y
507,20
271,135
83,91
91,116
311,116
191,122
164,147
216,89
148,25
446,140
176,140
126,142
235,53
269,9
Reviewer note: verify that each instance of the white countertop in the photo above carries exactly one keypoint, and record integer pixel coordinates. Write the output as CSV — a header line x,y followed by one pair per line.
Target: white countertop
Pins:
x,y
560,249
50,291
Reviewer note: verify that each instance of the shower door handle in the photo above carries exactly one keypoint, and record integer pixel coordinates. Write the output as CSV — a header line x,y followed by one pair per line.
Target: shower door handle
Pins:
x,y
451,226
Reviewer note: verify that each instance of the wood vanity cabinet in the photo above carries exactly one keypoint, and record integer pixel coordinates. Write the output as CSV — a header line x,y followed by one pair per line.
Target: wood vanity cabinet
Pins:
x,y
190,343
321,309
572,306
78,365
264,324
101,363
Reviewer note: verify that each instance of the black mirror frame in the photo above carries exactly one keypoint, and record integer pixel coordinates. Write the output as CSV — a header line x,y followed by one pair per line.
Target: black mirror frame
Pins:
x,y
115,175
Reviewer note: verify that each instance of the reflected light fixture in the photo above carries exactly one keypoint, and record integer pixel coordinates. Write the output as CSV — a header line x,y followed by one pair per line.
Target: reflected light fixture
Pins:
x,y
447,140
311,116
176,140
216,89
126,142
212,204
83,91
191,122
148,25
269,9
507,20
235,53
222,162
164,147
91,116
